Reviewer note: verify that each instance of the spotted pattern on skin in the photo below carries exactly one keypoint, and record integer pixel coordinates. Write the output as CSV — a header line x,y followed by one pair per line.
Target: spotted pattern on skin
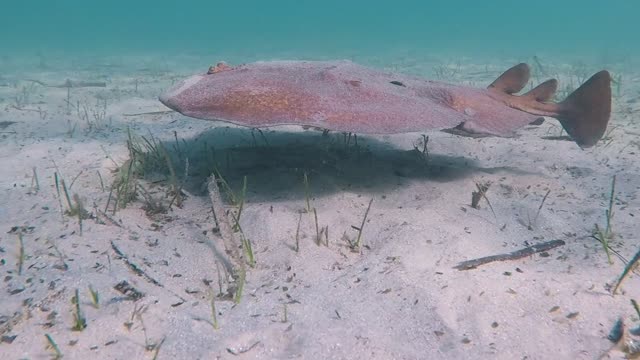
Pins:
x,y
266,104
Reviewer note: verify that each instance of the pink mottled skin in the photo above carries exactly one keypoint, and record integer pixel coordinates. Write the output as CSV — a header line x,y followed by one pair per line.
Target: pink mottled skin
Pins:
x,y
344,96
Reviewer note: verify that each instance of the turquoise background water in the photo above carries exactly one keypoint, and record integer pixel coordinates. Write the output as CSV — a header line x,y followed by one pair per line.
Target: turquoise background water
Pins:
x,y
521,28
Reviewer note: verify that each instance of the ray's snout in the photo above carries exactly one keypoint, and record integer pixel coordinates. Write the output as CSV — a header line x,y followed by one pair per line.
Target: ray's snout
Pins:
x,y
172,99
166,99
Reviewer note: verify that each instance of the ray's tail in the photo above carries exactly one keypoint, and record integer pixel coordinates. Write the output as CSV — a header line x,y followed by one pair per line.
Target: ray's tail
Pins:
x,y
585,113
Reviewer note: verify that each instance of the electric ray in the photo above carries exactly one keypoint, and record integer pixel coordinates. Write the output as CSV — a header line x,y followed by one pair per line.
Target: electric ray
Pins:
x,y
345,96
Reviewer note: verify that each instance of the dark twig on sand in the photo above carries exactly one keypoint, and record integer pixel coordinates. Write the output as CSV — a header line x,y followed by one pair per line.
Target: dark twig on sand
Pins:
x,y
133,266
105,218
518,254
138,271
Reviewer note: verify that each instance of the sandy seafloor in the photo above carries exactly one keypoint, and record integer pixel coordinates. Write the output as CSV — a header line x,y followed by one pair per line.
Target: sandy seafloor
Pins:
x,y
400,298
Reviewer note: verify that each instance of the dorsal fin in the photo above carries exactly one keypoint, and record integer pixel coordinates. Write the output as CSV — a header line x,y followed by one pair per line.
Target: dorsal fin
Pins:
x,y
543,92
512,80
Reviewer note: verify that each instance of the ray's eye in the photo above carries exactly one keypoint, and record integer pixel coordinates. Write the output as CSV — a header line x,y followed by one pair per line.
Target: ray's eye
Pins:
x,y
398,83
219,67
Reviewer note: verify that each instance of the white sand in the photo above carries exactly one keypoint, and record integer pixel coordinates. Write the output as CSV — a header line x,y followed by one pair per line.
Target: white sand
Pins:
x,y
399,299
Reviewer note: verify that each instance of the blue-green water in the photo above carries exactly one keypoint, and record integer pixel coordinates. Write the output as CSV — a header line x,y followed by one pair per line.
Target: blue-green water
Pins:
x,y
520,28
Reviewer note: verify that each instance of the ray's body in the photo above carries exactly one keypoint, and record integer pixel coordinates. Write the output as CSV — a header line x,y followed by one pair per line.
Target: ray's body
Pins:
x,y
344,96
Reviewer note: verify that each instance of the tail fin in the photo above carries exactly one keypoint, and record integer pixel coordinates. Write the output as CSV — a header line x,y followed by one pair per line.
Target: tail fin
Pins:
x,y
585,113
